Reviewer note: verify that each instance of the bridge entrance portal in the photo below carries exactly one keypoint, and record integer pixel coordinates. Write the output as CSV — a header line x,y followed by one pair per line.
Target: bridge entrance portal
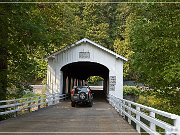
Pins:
x,y
77,73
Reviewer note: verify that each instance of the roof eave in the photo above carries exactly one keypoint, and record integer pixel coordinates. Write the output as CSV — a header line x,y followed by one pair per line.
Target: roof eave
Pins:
x,y
84,40
105,49
122,58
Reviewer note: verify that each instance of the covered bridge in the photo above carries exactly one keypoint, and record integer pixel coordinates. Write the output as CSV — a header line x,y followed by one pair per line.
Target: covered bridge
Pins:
x,y
72,65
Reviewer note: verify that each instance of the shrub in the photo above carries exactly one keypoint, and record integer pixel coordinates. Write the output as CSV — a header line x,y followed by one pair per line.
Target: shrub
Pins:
x,y
168,103
131,90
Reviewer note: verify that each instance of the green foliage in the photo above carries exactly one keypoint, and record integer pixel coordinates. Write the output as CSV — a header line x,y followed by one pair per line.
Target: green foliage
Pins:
x,y
26,42
94,79
17,90
160,100
155,42
122,43
3,50
131,90
150,32
157,99
30,94
99,23
122,47
34,31
99,33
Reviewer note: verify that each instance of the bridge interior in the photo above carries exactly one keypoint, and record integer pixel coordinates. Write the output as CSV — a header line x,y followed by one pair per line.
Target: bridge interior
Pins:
x,y
76,74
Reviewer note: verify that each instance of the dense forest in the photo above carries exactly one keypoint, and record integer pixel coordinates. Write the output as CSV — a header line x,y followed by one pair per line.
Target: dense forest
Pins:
x,y
145,33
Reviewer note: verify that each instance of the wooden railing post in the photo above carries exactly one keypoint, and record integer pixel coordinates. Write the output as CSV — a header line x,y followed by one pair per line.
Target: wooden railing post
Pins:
x,y
118,105
167,132
121,107
50,99
138,118
109,99
46,100
177,125
64,97
129,112
29,104
152,125
58,97
39,101
15,108
53,99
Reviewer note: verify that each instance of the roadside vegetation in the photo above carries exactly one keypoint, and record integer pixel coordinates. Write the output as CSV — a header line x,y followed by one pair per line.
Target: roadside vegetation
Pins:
x,y
154,98
169,103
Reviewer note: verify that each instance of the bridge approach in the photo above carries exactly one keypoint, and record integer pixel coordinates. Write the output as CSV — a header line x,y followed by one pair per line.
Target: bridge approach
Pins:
x,y
62,119
103,118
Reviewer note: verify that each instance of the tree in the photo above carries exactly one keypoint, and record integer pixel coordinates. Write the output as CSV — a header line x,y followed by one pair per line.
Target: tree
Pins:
x,y
3,50
27,38
155,41
122,46
94,79
34,31
98,22
150,32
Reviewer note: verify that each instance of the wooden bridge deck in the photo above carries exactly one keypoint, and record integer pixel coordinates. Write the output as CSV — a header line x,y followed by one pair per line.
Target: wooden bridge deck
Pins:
x,y
62,119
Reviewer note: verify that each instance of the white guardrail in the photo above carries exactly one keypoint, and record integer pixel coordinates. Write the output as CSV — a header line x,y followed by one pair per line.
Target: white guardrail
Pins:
x,y
139,114
30,104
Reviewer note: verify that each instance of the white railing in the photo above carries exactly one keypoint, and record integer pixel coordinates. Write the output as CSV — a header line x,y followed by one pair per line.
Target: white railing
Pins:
x,y
96,87
139,114
30,104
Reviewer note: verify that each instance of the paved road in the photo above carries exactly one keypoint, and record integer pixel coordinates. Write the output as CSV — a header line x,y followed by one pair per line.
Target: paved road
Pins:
x,y
62,119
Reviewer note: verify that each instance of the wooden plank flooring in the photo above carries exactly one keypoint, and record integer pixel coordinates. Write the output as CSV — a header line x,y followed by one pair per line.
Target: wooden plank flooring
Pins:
x,y
62,119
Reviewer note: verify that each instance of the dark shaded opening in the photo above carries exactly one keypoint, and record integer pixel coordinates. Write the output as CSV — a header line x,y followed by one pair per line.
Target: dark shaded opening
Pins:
x,y
81,71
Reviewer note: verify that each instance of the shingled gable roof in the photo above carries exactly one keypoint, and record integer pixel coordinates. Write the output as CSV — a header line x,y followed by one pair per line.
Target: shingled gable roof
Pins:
x,y
84,40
